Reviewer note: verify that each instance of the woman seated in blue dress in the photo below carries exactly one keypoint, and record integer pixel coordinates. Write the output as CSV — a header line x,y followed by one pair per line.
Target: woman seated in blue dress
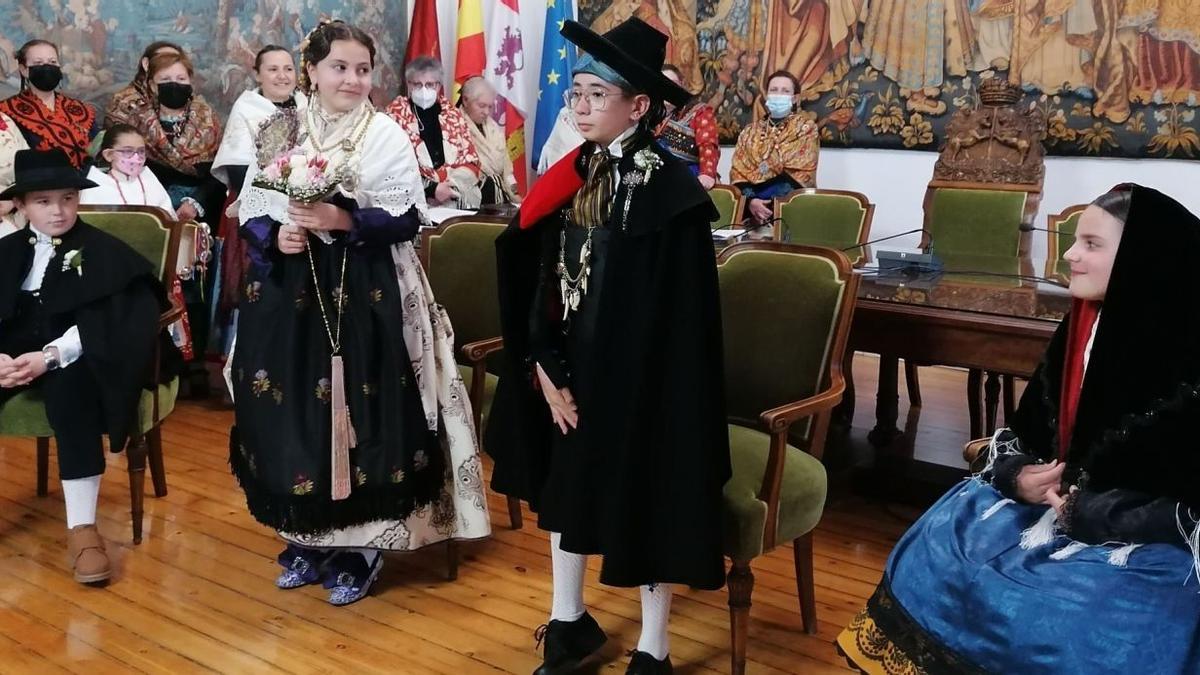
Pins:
x,y
1075,550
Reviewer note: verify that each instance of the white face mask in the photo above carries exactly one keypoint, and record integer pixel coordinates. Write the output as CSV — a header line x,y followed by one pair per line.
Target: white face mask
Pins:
x,y
424,98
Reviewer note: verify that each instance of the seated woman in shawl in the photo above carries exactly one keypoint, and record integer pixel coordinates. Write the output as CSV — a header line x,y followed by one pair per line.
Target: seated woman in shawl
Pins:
x,y
690,133
441,136
48,119
275,72
131,102
1075,549
11,141
354,434
778,154
499,183
182,133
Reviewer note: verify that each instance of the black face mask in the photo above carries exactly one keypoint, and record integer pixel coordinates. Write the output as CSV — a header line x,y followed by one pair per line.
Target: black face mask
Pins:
x,y
174,95
45,77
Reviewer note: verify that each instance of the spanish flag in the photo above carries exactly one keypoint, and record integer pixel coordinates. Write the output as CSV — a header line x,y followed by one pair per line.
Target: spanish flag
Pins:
x,y
471,57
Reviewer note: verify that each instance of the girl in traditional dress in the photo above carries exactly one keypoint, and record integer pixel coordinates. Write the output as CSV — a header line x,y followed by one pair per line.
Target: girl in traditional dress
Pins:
x,y
1076,549
353,431
690,133
121,175
48,119
777,154
123,179
499,182
609,418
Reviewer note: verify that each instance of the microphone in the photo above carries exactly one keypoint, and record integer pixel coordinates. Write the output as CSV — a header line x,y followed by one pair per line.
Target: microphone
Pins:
x,y
1029,227
894,236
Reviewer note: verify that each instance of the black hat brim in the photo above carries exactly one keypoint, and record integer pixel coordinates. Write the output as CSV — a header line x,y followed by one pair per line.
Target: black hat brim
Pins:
x,y
59,182
650,81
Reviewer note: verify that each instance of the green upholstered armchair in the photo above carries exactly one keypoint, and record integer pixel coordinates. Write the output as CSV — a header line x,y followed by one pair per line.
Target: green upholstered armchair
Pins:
x,y
730,203
779,398
978,221
154,234
833,218
460,260
1060,238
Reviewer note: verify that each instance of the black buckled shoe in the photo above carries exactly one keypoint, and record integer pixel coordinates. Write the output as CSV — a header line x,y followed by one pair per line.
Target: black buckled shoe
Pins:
x,y
568,644
645,664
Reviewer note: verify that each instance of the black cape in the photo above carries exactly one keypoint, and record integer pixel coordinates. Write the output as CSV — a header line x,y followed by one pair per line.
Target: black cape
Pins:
x,y
1133,451
116,303
652,428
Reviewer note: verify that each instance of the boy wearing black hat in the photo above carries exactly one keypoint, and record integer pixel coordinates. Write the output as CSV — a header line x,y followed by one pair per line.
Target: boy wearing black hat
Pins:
x,y
609,418
78,319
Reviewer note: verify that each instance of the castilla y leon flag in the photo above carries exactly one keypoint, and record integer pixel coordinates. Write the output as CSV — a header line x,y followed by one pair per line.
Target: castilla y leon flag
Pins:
x,y
471,56
506,72
423,38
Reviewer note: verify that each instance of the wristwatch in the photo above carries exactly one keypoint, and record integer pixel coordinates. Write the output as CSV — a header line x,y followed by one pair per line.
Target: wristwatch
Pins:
x,y
50,356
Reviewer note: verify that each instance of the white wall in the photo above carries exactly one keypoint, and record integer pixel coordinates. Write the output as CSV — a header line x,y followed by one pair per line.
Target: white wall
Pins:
x,y
894,180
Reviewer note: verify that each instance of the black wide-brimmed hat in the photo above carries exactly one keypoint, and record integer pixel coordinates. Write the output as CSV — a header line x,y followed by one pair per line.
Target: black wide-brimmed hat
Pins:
x,y
44,170
636,50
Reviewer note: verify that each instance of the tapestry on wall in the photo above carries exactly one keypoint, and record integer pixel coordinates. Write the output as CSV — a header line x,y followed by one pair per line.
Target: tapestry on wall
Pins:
x,y
1115,78
100,41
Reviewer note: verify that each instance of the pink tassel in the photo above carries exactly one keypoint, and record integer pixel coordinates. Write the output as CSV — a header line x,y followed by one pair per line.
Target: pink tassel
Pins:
x,y
344,437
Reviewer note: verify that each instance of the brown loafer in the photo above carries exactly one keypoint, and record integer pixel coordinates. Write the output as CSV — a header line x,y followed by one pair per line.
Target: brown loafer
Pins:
x,y
88,560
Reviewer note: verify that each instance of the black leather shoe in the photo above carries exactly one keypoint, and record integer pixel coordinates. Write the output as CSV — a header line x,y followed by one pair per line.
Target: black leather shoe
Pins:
x,y
645,664
568,643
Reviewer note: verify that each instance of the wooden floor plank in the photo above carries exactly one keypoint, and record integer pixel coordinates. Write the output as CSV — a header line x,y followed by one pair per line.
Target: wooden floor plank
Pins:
x,y
198,595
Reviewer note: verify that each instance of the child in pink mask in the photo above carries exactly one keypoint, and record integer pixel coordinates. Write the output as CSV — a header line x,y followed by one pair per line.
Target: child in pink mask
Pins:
x,y
121,176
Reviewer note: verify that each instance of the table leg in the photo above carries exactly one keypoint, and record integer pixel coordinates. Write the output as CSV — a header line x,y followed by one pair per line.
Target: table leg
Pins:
x,y
975,402
887,403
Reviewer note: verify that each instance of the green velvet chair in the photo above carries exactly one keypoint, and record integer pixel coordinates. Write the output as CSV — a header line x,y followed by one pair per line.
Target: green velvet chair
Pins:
x,y
729,202
460,260
154,234
833,218
1061,236
779,398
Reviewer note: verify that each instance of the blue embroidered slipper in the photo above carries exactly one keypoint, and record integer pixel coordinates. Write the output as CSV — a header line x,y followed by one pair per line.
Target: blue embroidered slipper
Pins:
x,y
301,566
350,578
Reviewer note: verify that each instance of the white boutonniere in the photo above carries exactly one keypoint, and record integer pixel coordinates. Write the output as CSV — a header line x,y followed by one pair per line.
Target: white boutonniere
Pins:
x,y
73,260
646,161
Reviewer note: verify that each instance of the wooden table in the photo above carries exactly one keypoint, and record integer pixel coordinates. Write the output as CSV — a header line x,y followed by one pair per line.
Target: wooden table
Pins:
x,y
984,314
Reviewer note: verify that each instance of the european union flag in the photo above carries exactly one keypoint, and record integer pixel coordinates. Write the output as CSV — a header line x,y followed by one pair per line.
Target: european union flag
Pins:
x,y
558,59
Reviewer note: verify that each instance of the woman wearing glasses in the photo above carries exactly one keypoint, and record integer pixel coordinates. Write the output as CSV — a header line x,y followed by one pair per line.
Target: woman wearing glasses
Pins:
x,y
441,135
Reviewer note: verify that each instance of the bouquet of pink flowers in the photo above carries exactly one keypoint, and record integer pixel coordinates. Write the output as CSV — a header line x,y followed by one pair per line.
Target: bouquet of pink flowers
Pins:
x,y
301,176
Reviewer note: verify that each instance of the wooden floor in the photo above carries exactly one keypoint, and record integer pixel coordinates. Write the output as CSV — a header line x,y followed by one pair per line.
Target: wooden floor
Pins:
x,y
197,594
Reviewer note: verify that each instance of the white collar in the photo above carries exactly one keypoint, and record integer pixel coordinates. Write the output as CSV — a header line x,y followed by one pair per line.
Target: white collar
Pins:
x,y
614,148
41,237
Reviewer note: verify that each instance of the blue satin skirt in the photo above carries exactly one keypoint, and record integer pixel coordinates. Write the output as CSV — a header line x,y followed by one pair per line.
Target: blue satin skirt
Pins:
x,y
960,594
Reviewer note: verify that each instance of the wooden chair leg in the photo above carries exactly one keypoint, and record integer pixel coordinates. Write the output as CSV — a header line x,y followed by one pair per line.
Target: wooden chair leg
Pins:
x,y
158,472
135,457
740,581
991,403
514,513
43,467
975,401
1010,398
912,378
802,550
451,559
